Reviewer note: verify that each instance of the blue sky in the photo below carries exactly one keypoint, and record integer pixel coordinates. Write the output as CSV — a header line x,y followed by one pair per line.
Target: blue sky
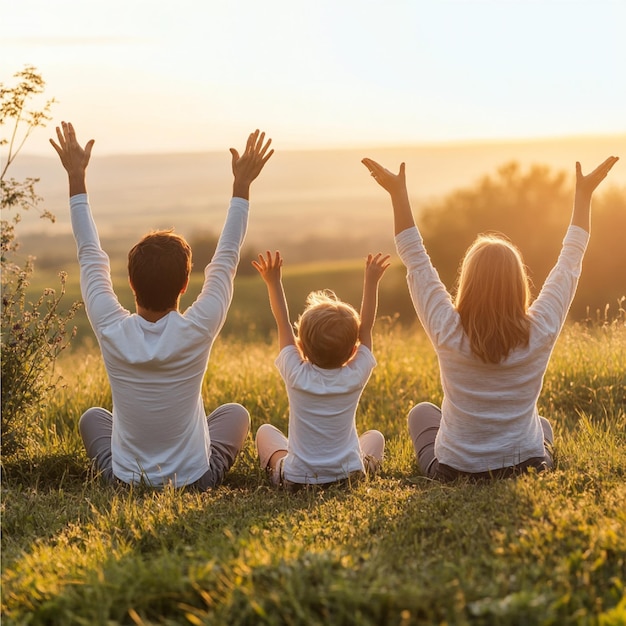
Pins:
x,y
163,76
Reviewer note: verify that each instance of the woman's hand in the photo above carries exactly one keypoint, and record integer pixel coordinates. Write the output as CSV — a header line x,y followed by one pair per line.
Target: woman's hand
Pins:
x,y
586,185
393,183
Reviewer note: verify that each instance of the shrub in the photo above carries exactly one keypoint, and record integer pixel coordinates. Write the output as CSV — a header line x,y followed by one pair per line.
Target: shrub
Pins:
x,y
33,332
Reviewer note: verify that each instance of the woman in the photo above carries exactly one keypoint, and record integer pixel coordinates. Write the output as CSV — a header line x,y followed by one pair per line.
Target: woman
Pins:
x,y
493,346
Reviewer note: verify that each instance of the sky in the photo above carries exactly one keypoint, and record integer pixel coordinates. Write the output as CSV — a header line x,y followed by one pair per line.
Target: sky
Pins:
x,y
154,76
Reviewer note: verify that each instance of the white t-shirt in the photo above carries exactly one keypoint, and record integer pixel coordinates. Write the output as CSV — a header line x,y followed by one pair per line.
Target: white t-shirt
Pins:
x,y
155,370
489,416
323,442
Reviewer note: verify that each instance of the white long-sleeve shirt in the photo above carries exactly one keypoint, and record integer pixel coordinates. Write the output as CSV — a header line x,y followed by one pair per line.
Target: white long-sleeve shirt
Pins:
x,y
489,416
155,370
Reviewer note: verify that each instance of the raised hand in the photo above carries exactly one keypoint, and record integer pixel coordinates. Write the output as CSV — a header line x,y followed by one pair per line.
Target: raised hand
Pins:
x,y
270,267
375,266
586,185
249,165
393,183
74,157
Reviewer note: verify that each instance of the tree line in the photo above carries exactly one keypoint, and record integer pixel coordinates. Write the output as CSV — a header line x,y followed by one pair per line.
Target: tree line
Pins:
x,y
531,207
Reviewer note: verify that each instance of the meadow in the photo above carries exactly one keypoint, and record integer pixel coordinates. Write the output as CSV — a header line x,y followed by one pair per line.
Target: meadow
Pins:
x,y
395,549
249,314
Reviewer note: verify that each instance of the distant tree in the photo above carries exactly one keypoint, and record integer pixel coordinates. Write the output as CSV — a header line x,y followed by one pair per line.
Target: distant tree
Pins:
x,y
203,246
533,209
603,281
33,333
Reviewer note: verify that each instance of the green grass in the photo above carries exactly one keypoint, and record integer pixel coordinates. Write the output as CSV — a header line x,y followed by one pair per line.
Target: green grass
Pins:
x,y
249,314
397,549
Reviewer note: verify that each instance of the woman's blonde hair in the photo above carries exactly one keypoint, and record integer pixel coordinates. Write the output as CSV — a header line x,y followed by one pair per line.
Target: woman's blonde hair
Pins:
x,y
492,298
328,330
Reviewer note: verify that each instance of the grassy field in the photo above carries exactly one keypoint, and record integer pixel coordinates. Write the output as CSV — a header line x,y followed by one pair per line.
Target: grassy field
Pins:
x,y
250,314
397,549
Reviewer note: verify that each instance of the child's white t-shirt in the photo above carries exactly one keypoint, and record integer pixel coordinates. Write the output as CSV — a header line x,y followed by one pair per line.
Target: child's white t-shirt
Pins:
x,y
155,370
323,442
489,416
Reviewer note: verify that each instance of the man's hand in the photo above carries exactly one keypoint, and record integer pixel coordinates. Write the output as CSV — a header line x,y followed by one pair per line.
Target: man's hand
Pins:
x,y
73,157
249,165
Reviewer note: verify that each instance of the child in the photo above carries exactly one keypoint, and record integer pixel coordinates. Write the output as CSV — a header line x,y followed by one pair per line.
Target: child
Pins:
x,y
155,359
493,348
325,370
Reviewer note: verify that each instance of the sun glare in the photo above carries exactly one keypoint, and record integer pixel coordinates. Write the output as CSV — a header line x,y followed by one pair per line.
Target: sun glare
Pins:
x,y
165,77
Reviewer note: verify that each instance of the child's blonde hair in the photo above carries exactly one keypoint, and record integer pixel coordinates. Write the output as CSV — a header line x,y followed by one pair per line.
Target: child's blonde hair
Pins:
x,y
328,330
493,297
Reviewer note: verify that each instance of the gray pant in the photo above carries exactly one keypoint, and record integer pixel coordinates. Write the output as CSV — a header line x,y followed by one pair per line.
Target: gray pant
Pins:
x,y
424,420
228,428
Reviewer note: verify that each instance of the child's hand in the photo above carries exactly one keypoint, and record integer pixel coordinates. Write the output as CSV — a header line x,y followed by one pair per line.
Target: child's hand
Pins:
x,y
375,266
393,183
269,267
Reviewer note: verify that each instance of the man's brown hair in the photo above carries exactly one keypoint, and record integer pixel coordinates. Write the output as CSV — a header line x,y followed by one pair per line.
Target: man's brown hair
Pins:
x,y
158,269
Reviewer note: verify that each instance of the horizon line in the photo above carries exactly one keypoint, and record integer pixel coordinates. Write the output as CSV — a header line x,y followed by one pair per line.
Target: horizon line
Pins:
x,y
448,143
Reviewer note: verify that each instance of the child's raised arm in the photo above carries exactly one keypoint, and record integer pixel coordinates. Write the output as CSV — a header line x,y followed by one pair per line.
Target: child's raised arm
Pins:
x,y
585,186
375,267
270,269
